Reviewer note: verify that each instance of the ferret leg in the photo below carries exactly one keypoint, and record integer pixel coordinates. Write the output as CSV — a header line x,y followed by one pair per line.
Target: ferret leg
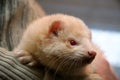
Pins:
x,y
25,57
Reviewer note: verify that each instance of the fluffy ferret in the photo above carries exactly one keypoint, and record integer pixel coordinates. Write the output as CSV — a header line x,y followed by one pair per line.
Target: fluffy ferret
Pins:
x,y
62,44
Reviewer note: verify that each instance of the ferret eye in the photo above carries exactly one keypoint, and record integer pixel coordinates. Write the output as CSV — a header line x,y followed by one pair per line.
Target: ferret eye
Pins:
x,y
73,42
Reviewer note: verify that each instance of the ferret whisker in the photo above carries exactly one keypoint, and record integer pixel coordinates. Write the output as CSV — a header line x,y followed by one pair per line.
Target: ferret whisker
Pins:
x,y
71,65
67,63
52,62
63,60
76,63
63,63
59,66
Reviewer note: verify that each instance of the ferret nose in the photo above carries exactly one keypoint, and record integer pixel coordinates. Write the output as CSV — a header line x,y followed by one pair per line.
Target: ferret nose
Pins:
x,y
92,54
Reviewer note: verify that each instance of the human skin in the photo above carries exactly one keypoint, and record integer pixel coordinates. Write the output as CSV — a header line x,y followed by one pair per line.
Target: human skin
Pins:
x,y
104,69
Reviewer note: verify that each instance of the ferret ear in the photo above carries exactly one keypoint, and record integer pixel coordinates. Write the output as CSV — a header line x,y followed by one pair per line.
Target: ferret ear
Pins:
x,y
55,27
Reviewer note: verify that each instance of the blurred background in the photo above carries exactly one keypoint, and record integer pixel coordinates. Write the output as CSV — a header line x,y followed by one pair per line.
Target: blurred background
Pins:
x,y
101,16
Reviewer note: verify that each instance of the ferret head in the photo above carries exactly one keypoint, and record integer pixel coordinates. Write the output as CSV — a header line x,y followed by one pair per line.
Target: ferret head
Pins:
x,y
66,43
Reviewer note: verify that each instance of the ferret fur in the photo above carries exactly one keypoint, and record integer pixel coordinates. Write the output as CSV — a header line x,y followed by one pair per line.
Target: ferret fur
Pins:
x,y
61,43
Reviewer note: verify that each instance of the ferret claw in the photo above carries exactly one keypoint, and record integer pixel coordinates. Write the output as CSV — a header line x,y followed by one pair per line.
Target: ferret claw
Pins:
x,y
25,57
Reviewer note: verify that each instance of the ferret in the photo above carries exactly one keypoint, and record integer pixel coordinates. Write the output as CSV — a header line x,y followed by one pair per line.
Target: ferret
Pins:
x,y
62,44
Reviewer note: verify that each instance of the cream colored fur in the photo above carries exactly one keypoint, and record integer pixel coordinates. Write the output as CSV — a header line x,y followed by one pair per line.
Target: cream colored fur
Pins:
x,y
56,53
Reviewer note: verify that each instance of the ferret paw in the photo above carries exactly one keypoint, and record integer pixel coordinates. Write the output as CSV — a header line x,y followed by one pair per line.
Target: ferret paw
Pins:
x,y
94,77
25,57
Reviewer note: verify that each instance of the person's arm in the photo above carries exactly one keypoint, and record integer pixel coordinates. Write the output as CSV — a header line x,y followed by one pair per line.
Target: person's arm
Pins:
x,y
104,69
11,69
15,15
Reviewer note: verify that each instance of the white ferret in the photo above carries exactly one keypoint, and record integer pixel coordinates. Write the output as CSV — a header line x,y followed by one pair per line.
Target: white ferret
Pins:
x,y
60,43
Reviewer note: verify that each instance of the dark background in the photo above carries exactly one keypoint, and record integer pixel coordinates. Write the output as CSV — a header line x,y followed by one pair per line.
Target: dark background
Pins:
x,y
100,14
